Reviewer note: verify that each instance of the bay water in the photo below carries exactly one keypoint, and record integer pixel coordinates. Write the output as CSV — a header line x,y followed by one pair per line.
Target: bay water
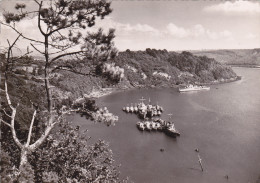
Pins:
x,y
223,123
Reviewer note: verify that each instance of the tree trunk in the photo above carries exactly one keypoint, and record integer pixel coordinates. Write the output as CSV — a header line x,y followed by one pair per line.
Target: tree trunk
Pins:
x,y
24,157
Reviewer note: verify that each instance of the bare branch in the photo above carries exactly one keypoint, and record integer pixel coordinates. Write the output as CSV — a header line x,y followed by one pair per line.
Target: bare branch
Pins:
x,y
36,41
66,54
7,97
6,123
12,117
37,2
17,58
30,129
6,113
36,49
10,47
68,68
9,53
21,33
47,131
51,123
39,20
23,55
8,44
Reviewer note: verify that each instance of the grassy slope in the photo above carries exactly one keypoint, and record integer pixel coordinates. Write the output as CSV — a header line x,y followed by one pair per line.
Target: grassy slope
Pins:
x,y
233,57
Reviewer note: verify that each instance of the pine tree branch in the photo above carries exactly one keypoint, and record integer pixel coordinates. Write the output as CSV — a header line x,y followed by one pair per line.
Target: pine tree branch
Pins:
x,y
66,54
21,33
29,39
70,69
37,2
37,49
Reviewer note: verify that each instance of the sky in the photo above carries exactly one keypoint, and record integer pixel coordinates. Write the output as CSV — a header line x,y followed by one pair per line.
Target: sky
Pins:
x,y
172,25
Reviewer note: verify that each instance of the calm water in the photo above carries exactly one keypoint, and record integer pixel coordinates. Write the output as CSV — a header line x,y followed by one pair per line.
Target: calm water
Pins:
x,y
224,123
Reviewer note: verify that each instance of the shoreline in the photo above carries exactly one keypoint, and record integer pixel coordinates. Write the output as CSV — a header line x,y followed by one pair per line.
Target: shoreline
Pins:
x,y
108,91
223,81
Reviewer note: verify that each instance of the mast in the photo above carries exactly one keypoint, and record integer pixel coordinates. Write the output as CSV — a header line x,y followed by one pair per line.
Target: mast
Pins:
x,y
142,100
170,116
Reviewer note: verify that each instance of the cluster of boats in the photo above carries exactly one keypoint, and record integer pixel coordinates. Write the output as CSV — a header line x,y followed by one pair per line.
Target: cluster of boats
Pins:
x,y
158,125
147,112
144,110
191,87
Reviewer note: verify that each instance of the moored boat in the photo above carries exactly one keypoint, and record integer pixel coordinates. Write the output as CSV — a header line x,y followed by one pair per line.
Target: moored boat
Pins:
x,y
191,87
158,126
171,131
153,124
131,108
135,108
144,110
140,126
148,125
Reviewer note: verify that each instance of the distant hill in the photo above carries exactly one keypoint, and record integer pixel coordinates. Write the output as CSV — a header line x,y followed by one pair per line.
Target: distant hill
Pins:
x,y
233,57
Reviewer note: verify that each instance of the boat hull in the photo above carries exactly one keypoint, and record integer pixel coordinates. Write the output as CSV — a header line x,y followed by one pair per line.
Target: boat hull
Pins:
x,y
193,89
172,133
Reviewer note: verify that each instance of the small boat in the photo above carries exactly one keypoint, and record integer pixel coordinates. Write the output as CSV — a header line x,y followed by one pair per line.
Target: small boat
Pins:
x,y
135,108
161,108
148,125
131,109
127,109
158,126
153,124
191,87
171,131
140,126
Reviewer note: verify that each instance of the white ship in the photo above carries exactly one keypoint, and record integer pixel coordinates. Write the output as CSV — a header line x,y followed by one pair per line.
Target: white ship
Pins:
x,y
191,87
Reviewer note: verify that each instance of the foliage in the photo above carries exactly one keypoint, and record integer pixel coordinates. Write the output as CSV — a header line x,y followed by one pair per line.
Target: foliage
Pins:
x,y
50,177
111,71
7,172
67,154
26,174
181,67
